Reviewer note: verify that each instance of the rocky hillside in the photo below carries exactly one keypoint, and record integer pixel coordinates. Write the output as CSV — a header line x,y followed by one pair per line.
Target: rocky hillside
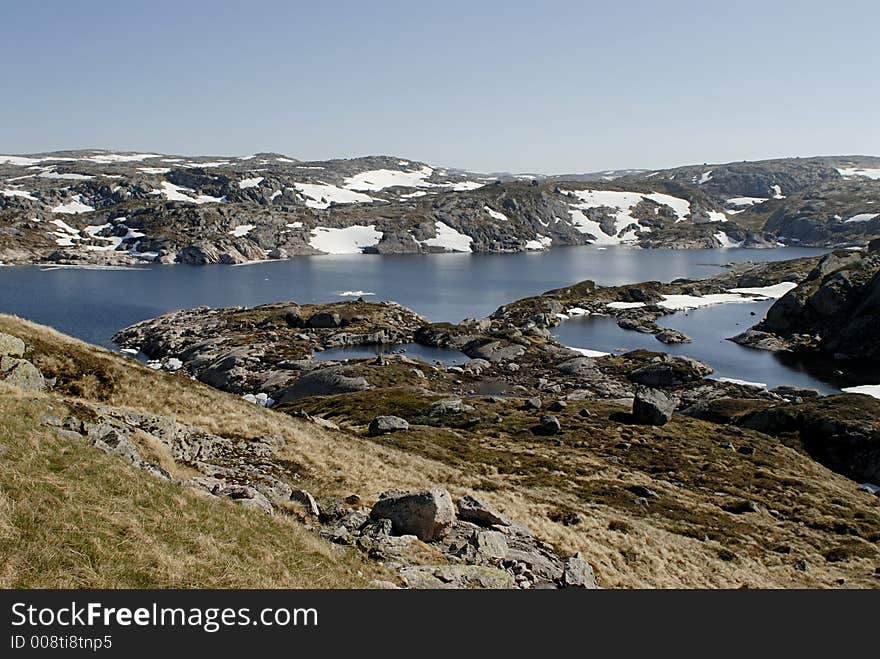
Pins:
x,y
655,473
823,202
114,208
835,310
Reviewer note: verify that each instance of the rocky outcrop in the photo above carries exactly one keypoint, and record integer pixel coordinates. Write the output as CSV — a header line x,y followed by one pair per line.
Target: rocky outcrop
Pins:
x,y
16,371
835,310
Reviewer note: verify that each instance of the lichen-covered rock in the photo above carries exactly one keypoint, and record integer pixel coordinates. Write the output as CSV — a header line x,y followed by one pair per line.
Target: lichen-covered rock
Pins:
x,y
652,407
22,374
382,425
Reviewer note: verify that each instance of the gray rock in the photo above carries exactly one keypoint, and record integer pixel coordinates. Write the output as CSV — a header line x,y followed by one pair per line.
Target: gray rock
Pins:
x,y
548,425
325,320
11,346
577,573
456,577
382,425
427,514
245,496
652,407
672,336
490,545
473,510
22,374
323,382
533,403
307,501
449,406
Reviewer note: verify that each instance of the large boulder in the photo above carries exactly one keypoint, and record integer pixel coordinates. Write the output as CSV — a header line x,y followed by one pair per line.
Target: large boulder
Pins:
x,y
577,573
325,319
324,382
22,374
670,371
652,407
427,514
383,425
11,346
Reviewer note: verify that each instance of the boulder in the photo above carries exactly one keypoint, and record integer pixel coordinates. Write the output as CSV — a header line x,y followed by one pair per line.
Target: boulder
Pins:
x,y
382,425
652,407
577,573
11,346
670,371
324,382
427,514
22,374
325,319
478,512
489,545
548,425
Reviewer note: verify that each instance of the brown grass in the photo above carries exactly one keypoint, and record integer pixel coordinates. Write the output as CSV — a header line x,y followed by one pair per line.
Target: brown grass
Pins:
x,y
682,539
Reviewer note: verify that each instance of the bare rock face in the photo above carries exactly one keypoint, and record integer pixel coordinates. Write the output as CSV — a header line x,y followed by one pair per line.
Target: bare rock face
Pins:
x,y
428,514
473,510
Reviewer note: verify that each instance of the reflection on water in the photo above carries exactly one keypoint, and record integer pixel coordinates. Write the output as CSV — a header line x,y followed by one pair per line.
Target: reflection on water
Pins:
x,y
93,304
709,327
414,350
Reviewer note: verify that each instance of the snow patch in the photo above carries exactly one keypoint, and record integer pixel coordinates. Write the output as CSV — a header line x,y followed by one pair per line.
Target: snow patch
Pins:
x,y
540,242
862,217
250,182
18,193
74,207
241,230
745,383
867,389
379,179
321,195
586,352
449,239
625,305
349,240
495,214
354,293
846,172
178,193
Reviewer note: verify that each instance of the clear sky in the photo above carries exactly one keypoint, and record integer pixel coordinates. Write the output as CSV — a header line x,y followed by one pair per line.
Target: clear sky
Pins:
x,y
519,86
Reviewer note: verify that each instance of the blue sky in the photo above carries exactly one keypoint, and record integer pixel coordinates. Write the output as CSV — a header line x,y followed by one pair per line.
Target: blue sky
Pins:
x,y
518,86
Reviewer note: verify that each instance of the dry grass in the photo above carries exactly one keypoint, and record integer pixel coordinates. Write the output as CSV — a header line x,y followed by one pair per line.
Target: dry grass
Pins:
x,y
683,539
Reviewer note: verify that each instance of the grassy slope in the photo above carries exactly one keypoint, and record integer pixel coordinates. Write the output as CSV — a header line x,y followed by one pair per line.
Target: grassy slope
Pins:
x,y
531,479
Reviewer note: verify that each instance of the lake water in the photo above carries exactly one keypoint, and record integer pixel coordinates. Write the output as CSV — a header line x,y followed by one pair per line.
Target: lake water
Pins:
x,y
709,327
94,304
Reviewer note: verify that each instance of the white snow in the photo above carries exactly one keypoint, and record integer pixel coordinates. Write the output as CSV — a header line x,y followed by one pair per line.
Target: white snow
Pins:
x,y
622,202
20,161
107,158
705,178
589,353
678,302
294,225
625,305
862,217
577,311
250,182
350,240
867,389
745,201
154,170
495,214
413,195
214,163
260,399
726,241
467,185
745,383
540,242
284,160
178,193
73,207
277,193
66,177
354,293
18,193
449,239
241,230
130,351
777,192
716,216
774,292
379,179
173,364
321,195
847,172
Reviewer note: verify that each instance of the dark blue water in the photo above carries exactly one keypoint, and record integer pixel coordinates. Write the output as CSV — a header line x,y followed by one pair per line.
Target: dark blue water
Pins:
x,y
414,350
709,327
94,304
